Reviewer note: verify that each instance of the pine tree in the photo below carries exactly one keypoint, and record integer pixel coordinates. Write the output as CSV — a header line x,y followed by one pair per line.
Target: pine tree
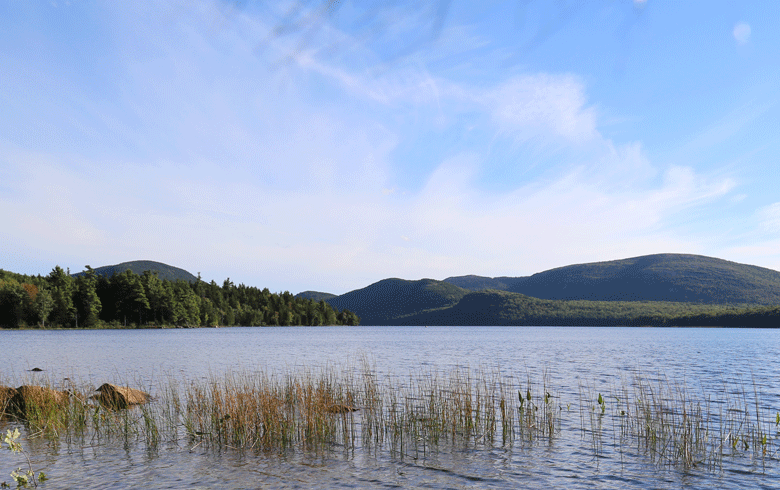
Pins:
x,y
86,300
62,289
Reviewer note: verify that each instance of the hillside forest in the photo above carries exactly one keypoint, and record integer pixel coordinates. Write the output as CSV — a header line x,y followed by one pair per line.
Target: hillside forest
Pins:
x,y
127,299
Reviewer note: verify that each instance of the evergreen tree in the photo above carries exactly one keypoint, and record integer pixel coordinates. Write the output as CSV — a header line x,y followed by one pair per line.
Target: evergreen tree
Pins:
x,y
155,292
89,299
327,313
130,295
186,305
43,305
12,296
86,300
62,288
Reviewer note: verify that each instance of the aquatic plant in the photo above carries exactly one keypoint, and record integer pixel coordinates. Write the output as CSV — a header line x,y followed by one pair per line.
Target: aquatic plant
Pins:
x,y
23,478
419,414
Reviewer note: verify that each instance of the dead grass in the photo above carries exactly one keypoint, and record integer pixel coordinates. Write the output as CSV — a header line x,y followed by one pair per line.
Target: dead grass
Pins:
x,y
349,408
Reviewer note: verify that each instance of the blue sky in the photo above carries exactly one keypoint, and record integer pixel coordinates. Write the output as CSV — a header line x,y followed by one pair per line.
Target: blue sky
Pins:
x,y
327,145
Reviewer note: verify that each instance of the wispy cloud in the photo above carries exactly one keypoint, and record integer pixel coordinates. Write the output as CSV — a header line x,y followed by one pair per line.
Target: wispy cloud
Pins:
x,y
288,174
574,216
531,106
450,227
769,218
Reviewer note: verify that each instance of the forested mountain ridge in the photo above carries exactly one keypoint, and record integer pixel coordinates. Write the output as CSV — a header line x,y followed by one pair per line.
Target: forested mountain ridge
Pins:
x,y
398,302
660,277
660,289
388,299
315,295
479,283
492,307
164,271
128,299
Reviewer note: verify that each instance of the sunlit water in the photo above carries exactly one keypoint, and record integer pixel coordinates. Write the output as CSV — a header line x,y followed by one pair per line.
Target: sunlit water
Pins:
x,y
601,358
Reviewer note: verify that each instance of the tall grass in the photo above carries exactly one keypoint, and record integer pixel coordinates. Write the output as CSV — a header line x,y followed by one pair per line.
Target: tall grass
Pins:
x,y
673,425
411,416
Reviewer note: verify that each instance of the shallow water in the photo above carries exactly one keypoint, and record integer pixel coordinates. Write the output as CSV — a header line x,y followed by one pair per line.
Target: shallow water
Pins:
x,y
598,358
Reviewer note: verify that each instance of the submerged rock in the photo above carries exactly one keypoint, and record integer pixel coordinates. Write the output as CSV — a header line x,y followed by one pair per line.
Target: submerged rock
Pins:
x,y
6,394
26,398
114,396
340,408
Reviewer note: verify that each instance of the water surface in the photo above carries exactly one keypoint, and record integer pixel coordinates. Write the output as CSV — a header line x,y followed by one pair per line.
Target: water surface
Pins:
x,y
703,359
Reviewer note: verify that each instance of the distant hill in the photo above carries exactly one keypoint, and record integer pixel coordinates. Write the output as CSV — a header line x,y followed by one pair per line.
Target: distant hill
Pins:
x,y
315,295
657,289
164,271
493,307
479,283
660,277
384,301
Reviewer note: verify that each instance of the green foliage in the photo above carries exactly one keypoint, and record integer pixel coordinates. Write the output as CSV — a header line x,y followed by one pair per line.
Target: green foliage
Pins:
x,y
164,271
44,303
505,308
62,288
130,300
127,299
383,302
23,478
315,295
86,300
24,300
11,303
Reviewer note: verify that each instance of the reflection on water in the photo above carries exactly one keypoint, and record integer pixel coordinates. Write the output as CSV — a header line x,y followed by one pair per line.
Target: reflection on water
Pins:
x,y
600,359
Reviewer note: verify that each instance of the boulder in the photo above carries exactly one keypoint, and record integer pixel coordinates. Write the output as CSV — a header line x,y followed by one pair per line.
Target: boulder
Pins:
x,y
28,397
6,394
114,396
340,408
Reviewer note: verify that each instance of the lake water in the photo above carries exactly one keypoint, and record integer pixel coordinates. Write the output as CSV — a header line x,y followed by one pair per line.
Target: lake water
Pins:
x,y
601,359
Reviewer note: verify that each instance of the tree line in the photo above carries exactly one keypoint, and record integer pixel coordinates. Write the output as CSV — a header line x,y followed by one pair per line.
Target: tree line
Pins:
x,y
505,308
90,300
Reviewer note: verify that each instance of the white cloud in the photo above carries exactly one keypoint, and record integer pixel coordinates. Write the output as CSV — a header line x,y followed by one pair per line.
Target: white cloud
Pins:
x,y
769,217
741,32
530,105
280,238
284,179
459,229
541,107
620,166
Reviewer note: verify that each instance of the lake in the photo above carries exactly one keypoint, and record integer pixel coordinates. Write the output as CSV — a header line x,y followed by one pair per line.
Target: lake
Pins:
x,y
575,362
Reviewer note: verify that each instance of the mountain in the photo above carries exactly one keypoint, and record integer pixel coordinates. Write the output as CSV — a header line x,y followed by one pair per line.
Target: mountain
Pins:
x,y
164,271
384,301
491,307
661,277
478,283
315,295
656,289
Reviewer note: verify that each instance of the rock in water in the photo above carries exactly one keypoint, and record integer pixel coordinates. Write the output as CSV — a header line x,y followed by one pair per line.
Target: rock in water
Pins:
x,y
340,408
27,398
114,396
6,394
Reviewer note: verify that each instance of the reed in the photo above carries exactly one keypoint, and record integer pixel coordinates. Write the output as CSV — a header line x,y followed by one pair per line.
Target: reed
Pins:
x,y
413,416
673,425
